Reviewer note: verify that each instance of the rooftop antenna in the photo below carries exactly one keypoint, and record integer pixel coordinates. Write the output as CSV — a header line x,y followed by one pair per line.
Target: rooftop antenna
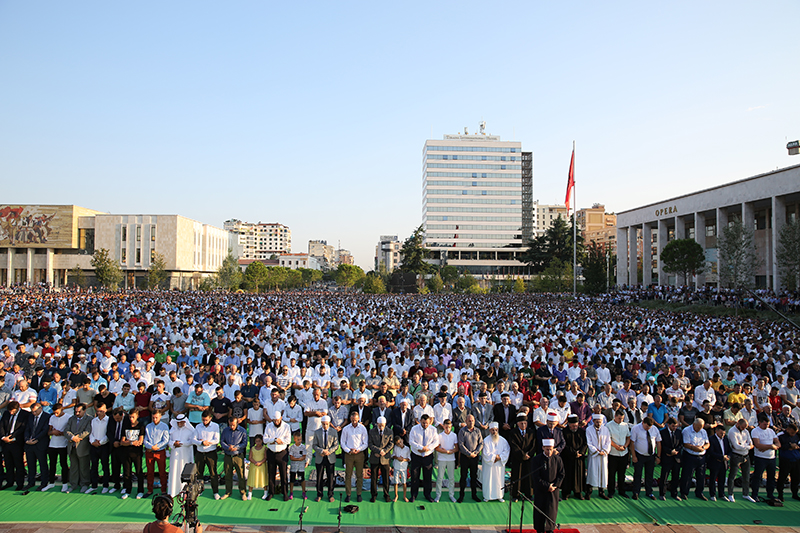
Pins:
x,y
482,126
465,131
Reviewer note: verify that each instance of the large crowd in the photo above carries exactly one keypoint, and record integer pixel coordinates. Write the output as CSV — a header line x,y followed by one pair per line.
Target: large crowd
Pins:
x,y
403,390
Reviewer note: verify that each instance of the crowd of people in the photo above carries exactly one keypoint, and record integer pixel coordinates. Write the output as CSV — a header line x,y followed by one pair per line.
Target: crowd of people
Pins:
x,y
407,391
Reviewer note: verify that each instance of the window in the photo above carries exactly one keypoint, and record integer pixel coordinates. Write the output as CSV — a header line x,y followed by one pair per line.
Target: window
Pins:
x,y
124,233
152,234
483,193
455,157
124,256
711,230
502,167
474,174
483,158
152,256
503,158
474,183
138,255
138,234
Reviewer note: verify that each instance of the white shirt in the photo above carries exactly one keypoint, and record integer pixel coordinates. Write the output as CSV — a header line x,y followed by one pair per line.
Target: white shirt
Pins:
x,y
255,414
696,438
354,438
58,423
639,438
740,440
764,436
273,433
701,395
208,433
419,438
442,413
447,441
25,397
99,428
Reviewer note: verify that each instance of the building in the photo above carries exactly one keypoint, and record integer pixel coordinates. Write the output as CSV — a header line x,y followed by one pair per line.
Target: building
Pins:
x,y
259,241
476,192
544,215
43,243
764,202
597,226
344,257
387,253
324,253
294,261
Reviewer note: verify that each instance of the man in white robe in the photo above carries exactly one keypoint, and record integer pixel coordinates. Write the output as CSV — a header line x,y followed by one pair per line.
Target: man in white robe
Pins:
x,y
598,439
495,455
181,452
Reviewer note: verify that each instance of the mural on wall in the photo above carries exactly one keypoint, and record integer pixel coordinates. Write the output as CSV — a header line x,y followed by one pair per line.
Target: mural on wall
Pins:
x,y
22,225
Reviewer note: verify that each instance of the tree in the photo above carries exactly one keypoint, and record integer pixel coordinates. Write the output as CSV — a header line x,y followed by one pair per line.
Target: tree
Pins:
x,y
449,275
106,270
78,276
373,284
275,277
413,254
557,277
536,255
309,276
157,272
229,275
466,282
348,275
683,256
787,254
555,243
595,276
255,276
519,286
435,284
736,252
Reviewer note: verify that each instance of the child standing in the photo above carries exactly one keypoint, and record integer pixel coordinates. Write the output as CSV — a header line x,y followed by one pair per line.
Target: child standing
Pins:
x,y
298,454
402,456
257,476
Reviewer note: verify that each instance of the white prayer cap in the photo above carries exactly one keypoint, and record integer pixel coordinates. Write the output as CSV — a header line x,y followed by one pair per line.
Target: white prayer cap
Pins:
x,y
381,420
597,416
494,425
363,397
325,418
278,416
548,442
405,401
552,417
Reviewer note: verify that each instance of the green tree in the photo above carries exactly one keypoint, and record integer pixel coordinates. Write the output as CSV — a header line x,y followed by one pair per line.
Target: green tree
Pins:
x,y
310,276
348,275
519,286
106,270
275,277
738,260
684,257
413,254
555,243
78,276
255,276
208,283
373,284
536,254
787,254
157,272
557,277
229,275
594,269
435,284
466,281
449,275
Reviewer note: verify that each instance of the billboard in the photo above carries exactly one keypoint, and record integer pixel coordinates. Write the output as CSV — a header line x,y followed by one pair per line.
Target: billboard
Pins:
x,y
33,226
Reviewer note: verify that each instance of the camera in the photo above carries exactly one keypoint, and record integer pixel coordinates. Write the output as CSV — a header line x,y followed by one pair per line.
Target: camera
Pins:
x,y
192,488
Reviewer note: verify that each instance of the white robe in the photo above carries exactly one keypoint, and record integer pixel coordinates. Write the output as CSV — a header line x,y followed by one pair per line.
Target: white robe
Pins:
x,y
493,474
597,471
178,457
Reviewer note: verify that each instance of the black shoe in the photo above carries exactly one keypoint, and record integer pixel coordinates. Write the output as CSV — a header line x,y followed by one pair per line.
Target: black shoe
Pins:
x,y
634,497
604,496
565,497
623,494
411,499
579,497
20,487
781,498
387,499
795,497
372,500
460,500
701,497
358,498
475,497
430,500
268,498
347,499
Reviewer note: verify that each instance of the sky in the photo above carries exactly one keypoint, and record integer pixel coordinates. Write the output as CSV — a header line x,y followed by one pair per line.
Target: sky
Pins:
x,y
314,114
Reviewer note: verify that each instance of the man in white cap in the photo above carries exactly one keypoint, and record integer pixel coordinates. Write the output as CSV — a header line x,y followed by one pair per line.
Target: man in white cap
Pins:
x,y
598,439
495,456
551,431
549,471
180,443
277,437
380,447
325,443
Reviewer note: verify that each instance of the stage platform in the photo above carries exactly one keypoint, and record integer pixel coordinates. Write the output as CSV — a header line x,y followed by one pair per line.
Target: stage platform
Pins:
x,y
75,508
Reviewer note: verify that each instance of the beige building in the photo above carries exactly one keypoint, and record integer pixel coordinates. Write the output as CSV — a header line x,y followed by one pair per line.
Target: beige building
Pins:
x,y
259,241
324,252
544,215
387,253
42,243
597,226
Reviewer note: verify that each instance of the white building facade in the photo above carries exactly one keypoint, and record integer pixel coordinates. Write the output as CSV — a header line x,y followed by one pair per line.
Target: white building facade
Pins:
x,y
764,202
261,240
387,253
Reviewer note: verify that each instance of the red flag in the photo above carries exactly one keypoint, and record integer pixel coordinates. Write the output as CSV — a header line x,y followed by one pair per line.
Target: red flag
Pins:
x,y
570,179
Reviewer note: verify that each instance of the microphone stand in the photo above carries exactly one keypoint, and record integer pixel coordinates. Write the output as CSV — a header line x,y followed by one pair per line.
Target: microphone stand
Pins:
x,y
339,525
524,499
302,511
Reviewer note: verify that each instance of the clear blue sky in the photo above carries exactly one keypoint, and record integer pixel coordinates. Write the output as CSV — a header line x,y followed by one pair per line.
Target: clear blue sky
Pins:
x,y
314,114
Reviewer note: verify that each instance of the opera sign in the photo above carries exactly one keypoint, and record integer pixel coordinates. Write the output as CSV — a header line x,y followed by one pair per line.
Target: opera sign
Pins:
x,y
666,211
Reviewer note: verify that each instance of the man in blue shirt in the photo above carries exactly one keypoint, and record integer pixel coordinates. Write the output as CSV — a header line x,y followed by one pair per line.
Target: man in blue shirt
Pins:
x,y
47,396
234,445
156,438
197,402
657,411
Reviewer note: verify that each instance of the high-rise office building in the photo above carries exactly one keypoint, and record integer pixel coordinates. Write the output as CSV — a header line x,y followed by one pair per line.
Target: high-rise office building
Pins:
x,y
260,241
477,202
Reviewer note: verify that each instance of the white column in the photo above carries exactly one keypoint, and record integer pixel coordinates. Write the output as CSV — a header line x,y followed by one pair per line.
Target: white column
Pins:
x,y
722,222
29,274
700,238
680,233
633,270
662,241
49,262
748,217
622,256
647,255
778,221
10,267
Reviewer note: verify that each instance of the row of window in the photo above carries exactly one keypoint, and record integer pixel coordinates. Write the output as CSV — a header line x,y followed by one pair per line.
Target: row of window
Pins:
x,y
472,201
473,209
472,165
472,149
453,183
473,157
472,192
430,244
471,227
474,219
471,175
471,236
139,233
137,256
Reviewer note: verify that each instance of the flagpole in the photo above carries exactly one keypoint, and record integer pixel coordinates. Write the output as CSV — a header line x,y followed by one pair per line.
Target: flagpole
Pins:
x,y
574,230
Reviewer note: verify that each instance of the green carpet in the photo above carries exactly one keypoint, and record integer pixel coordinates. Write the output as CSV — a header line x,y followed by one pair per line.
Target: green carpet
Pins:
x,y
57,507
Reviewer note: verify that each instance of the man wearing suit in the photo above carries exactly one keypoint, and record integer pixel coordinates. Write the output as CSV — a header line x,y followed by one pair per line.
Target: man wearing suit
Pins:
x,y
383,410
115,434
402,420
12,434
505,414
380,446
37,440
523,444
77,432
364,411
719,453
671,448
325,443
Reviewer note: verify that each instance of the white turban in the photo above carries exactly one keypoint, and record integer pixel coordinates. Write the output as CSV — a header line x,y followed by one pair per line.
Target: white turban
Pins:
x,y
494,425
325,418
381,420
552,417
548,442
